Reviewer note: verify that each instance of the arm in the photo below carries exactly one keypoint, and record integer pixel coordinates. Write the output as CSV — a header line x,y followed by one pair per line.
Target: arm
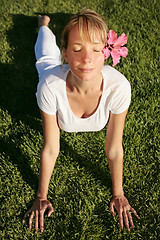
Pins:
x,y
49,155
49,152
114,152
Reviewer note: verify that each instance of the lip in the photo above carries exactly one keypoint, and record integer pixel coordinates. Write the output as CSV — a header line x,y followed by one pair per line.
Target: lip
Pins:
x,y
86,70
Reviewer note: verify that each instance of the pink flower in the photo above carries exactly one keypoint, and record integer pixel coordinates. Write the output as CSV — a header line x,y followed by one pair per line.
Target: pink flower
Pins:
x,y
114,47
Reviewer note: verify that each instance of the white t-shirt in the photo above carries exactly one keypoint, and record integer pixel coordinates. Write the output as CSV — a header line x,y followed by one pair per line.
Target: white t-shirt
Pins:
x,y
52,99
52,96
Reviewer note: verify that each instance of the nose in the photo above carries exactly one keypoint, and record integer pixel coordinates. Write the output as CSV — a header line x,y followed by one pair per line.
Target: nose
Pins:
x,y
87,56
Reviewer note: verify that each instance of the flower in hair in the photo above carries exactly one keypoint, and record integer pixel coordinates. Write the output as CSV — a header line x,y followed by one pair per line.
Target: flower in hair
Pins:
x,y
115,47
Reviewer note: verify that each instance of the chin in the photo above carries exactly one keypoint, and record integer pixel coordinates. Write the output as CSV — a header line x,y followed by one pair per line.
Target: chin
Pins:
x,y
84,76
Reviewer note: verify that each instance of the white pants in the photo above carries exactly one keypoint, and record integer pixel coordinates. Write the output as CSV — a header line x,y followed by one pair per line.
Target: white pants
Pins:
x,y
46,50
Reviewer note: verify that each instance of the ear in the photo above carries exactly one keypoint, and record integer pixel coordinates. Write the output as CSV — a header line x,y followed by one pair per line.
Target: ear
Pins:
x,y
65,55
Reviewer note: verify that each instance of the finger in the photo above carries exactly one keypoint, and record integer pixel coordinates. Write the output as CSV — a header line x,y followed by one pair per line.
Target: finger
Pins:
x,y
41,221
36,222
50,208
120,218
44,206
30,220
130,219
25,215
134,211
125,215
112,208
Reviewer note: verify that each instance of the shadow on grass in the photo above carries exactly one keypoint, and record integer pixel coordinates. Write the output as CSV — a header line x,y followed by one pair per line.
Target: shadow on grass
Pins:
x,y
89,163
20,160
19,79
17,94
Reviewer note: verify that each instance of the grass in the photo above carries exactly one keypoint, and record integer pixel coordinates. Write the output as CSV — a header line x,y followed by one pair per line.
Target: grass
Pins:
x,y
80,188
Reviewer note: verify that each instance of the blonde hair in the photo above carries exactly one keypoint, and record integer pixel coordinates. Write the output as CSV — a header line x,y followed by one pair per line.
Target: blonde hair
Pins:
x,y
87,20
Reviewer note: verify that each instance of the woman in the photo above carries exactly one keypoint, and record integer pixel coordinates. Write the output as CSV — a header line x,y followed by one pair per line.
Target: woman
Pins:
x,y
82,95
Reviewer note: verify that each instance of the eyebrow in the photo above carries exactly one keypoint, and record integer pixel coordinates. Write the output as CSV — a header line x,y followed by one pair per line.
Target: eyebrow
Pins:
x,y
77,43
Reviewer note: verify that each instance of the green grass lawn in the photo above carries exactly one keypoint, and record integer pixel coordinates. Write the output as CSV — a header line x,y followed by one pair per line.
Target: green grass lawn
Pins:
x,y
80,188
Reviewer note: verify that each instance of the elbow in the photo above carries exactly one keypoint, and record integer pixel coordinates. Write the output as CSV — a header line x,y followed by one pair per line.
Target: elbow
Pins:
x,y
51,153
114,153
54,155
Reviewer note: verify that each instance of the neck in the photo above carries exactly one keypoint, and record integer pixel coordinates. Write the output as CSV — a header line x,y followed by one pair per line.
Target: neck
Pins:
x,y
83,87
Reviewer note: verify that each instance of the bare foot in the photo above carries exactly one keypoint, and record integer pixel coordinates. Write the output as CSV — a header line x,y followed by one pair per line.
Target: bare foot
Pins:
x,y
43,20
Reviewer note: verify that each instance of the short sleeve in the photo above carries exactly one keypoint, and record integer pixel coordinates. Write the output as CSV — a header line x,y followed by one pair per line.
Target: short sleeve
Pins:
x,y
122,98
45,99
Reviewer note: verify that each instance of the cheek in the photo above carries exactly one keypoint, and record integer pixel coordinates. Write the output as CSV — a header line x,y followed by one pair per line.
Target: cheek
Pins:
x,y
99,56
73,61
100,60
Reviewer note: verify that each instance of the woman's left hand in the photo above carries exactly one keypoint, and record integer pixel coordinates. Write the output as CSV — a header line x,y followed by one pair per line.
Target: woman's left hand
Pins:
x,y
124,210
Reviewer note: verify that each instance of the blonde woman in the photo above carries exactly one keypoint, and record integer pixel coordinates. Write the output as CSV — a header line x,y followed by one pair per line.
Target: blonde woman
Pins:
x,y
82,95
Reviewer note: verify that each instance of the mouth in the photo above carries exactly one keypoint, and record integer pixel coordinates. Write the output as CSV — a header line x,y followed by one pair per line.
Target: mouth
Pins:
x,y
86,70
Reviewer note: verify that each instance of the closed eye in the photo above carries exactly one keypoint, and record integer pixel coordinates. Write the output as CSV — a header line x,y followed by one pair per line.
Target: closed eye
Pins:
x,y
78,50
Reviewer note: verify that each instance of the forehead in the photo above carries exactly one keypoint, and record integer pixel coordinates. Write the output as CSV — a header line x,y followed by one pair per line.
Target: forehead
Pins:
x,y
84,35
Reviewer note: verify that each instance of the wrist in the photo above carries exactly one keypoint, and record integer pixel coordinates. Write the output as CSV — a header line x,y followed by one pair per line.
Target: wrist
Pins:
x,y
41,196
118,194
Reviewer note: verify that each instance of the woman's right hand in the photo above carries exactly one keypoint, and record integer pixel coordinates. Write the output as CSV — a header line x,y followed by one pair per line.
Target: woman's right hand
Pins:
x,y
38,209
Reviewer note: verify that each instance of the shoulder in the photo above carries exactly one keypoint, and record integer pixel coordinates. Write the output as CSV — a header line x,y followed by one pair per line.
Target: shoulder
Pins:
x,y
114,78
54,78
117,90
112,74
51,89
